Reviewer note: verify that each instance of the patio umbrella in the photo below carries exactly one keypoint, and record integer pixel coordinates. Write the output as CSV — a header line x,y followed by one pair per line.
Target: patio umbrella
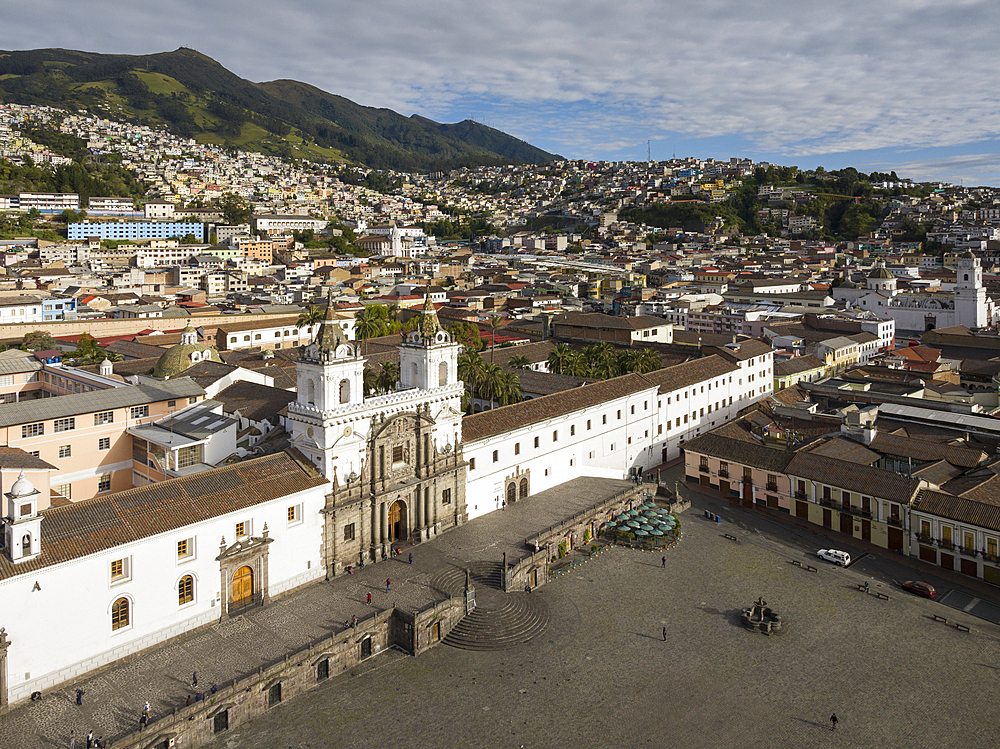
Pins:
x,y
633,523
656,533
641,532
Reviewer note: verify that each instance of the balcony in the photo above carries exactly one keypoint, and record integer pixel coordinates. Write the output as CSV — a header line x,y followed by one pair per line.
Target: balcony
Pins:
x,y
895,520
827,502
990,557
967,551
723,473
946,544
925,538
703,469
771,487
857,511
800,495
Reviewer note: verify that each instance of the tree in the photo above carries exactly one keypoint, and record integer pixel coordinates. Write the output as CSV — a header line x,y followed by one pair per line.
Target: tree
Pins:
x,y
495,324
367,324
471,368
388,376
602,360
558,358
38,340
492,383
87,351
510,388
467,334
309,317
518,361
234,209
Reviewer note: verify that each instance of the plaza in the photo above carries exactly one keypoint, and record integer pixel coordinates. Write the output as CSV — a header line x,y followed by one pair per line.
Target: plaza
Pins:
x,y
602,675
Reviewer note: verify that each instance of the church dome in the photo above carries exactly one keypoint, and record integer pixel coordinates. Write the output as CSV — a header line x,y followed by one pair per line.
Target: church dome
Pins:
x,y
22,487
880,272
179,358
848,284
968,255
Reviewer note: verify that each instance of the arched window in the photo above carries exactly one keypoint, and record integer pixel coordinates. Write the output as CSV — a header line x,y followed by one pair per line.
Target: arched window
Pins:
x,y
511,492
26,545
345,391
443,373
524,488
185,590
119,614
966,276
413,375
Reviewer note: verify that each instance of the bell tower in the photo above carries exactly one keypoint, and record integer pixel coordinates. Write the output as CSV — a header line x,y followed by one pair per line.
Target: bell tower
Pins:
x,y
428,358
970,295
23,524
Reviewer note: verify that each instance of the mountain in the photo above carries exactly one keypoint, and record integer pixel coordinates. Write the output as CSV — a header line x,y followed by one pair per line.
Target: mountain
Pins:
x,y
194,96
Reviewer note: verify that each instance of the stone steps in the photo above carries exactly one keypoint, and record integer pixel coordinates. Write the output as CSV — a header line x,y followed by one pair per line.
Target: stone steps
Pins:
x,y
451,582
499,622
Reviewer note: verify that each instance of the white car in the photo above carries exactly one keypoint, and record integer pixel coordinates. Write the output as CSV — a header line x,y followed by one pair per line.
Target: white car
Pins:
x,y
833,555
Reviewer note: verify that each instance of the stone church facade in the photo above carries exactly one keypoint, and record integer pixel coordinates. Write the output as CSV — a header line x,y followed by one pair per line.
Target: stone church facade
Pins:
x,y
394,461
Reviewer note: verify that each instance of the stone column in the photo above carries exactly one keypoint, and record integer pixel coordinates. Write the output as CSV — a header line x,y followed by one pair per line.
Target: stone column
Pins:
x,y
417,514
4,644
427,505
383,521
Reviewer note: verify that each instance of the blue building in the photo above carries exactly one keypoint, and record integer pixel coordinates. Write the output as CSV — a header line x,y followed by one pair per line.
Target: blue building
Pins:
x,y
58,309
135,230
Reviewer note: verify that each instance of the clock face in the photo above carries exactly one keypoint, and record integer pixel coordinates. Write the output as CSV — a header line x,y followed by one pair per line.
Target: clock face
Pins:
x,y
347,431
309,431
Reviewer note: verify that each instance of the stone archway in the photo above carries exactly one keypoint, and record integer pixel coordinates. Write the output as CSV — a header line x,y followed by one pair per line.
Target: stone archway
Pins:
x,y
511,492
396,530
242,585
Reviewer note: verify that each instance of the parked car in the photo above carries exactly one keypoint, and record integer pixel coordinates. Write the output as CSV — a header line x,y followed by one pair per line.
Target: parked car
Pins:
x,y
921,589
833,555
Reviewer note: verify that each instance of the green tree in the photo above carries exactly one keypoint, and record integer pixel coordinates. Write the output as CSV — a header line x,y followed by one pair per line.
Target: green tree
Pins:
x,y
368,323
559,357
518,361
311,316
234,209
471,369
388,376
38,340
510,388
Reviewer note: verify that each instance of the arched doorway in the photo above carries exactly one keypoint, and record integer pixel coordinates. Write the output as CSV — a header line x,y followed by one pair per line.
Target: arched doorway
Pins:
x,y
397,521
524,489
242,584
511,492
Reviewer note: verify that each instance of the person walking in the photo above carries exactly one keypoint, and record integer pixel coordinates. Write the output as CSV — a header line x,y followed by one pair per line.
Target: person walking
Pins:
x,y
663,562
866,586
833,722
194,679
143,721
411,558
79,696
145,708
90,739
72,740
369,601
664,634
388,584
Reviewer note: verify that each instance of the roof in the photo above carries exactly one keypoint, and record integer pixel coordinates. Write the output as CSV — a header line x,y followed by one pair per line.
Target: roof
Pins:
x,y
749,453
609,322
93,525
842,448
925,450
254,401
16,362
44,409
853,477
500,420
18,459
983,512
797,365
689,373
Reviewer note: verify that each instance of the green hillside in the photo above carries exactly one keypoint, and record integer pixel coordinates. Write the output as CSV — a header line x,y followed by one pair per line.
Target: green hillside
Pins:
x,y
196,97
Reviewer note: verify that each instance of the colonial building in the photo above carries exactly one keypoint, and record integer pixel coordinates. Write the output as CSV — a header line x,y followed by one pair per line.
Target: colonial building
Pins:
x,y
395,461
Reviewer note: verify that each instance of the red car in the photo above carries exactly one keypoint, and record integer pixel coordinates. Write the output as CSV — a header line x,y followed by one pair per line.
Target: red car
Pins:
x,y
921,589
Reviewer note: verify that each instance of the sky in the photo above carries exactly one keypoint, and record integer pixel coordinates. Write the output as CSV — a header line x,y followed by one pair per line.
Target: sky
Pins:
x,y
904,85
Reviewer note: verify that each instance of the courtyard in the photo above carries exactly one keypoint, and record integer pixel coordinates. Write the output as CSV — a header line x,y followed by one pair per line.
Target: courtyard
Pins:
x,y
603,676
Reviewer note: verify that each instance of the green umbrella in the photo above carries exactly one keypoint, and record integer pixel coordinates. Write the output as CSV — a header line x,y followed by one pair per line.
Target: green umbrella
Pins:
x,y
656,532
633,523
641,532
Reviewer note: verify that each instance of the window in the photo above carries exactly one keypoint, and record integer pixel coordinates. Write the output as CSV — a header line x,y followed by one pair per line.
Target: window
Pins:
x,y
185,548
397,454
105,417
188,456
171,404
536,443
104,443
104,483
32,430
572,430
120,570
185,590
64,425
192,400
294,514
633,411
555,436
604,419
243,529
139,412
119,614
619,414
588,425
446,496
65,490
472,464
7,380
349,532
65,451
496,456
517,448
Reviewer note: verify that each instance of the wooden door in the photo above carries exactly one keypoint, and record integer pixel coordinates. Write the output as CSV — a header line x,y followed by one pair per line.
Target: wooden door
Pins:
x,y
242,584
396,521
846,523
866,530
896,539
723,486
827,517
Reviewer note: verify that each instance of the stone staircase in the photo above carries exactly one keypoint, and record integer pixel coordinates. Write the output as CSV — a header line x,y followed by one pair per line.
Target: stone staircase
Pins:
x,y
500,620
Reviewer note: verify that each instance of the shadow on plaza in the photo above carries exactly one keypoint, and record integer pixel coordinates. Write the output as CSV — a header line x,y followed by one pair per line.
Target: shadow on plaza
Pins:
x,y
825,725
733,616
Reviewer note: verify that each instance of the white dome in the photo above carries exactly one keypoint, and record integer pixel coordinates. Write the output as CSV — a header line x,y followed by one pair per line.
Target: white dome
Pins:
x,y
22,487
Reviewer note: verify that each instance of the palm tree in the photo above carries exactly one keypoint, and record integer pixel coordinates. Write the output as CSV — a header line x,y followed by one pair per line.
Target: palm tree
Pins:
x,y
650,360
558,358
518,361
388,376
494,325
602,359
470,370
576,365
370,382
310,317
367,324
492,382
511,390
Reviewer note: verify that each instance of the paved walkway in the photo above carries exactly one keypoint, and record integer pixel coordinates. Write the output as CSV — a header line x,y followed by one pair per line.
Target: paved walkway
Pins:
x,y
237,647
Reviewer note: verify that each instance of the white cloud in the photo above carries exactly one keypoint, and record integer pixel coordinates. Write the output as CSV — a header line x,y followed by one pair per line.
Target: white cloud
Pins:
x,y
789,77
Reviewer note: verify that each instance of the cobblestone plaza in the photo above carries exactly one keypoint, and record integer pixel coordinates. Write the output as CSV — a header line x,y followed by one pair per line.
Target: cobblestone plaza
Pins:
x,y
602,675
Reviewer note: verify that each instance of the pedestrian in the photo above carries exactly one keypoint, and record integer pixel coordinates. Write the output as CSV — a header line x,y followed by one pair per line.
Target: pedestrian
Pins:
x,y
411,558
189,700
90,739
36,696
72,740
143,721
354,621
198,696
145,708
79,696
664,634
194,679
101,743
663,562
866,586
388,584
213,690
833,722
369,601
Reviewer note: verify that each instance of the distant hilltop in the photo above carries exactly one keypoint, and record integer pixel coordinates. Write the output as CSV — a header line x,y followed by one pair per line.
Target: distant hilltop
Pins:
x,y
196,97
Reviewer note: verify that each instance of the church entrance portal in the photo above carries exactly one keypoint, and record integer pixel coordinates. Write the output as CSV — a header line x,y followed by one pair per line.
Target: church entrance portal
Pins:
x,y
397,521
242,584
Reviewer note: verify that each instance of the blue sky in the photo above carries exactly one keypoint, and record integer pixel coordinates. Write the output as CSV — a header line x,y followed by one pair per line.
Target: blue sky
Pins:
x,y
904,85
